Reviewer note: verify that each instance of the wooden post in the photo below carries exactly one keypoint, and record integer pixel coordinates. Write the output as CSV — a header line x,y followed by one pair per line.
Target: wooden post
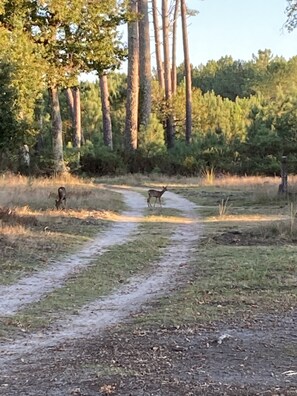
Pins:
x,y
283,187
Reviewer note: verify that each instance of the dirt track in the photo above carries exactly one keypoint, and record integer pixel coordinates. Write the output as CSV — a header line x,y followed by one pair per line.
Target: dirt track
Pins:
x,y
55,362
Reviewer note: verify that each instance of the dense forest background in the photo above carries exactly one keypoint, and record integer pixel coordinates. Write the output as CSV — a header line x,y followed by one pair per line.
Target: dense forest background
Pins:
x,y
243,113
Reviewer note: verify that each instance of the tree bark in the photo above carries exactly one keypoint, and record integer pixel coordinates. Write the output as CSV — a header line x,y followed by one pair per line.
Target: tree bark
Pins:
x,y
131,126
107,126
57,136
160,69
145,88
174,34
77,118
187,72
73,100
70,101
167,75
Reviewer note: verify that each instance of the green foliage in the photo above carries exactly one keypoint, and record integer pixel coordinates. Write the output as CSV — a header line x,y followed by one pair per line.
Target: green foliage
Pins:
x,y
91,109
100,160
52,43
244,114
77,37
151,138
238,79
20,86
226,77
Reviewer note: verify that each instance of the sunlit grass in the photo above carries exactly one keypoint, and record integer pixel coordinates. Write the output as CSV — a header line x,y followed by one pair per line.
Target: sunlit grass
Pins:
x,y
40,194
33,233
248,218
180,181
254,184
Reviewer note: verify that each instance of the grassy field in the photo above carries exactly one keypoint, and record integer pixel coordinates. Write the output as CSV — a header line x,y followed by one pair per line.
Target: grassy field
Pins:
x,y
243,265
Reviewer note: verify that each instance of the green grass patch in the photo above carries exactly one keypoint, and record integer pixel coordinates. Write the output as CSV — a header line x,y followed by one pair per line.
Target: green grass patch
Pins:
x,y
215,201
229,283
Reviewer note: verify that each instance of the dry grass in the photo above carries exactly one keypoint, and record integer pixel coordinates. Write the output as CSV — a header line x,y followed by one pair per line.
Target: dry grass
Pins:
x,y
249,182
32,231
40,194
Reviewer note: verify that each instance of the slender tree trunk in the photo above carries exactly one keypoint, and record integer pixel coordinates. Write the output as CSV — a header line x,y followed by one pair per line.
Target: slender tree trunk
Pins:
x,y
167,75
73,100
59,164
131,126
174,34
160,69
107,126
187,73
145,86
77,118
70,101
39,116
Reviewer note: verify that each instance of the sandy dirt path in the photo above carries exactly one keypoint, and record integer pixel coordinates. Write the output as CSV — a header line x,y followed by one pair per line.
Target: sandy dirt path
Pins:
x,y
118,306
32,288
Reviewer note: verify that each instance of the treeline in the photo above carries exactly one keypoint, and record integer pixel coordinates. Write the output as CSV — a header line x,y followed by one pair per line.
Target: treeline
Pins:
x,y
240,125
228,115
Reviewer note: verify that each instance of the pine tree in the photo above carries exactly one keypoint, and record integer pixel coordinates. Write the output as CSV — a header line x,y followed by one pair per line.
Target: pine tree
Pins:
x,y
167,75
145,89
160,69
131,127
106,117
187,73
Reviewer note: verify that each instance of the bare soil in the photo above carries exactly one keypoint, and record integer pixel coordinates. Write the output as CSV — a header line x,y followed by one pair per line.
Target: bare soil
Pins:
x,y
101,351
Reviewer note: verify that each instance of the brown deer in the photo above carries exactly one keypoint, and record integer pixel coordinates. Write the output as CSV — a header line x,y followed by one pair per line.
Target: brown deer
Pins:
x,y
156,194
61,201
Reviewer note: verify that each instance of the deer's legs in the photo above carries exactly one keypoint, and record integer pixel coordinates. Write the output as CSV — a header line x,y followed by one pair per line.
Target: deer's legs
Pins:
x,y
149,204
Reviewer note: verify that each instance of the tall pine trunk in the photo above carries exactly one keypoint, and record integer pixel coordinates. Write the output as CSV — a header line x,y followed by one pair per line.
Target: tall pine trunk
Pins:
x,y
174,37
145,88
105,105
73,100
77,134
167,75
160,69
57,136
131,126
187,73
70,102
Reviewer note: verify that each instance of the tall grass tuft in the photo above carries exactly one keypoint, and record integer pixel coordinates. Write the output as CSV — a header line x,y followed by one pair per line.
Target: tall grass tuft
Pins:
x,y
208,175
224,207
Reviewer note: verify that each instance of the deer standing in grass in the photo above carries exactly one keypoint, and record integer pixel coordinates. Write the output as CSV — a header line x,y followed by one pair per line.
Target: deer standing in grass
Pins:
x,y
61,201
155,194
